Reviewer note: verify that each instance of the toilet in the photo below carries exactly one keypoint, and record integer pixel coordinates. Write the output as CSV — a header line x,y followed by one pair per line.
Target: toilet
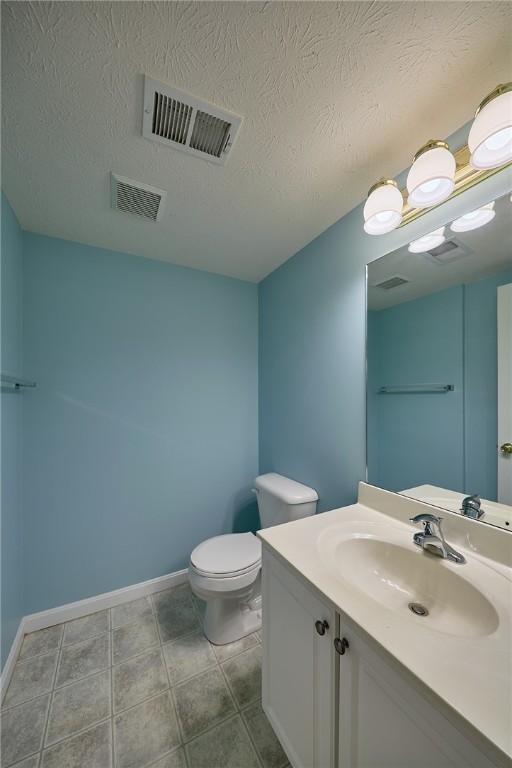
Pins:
x,y
225,571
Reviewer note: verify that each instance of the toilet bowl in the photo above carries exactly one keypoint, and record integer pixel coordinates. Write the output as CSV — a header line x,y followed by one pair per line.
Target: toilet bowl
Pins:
x,y
225,571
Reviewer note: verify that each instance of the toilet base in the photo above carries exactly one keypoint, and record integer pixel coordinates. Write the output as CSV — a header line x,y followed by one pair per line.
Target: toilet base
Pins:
x,y
226,621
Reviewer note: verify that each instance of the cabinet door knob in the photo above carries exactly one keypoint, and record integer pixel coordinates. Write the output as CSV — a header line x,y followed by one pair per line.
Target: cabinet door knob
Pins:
x,y
506,448
321,626
341,645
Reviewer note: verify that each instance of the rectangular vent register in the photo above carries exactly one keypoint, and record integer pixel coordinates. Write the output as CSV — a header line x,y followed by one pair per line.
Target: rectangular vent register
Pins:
x,y
179,120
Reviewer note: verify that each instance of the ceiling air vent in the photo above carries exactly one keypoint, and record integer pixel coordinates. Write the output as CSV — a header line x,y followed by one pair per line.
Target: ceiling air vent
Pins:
x,y
179,120
134,197
447,252
392,282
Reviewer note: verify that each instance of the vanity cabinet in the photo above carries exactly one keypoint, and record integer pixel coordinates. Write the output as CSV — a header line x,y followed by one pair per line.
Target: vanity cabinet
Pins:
x,y
335,700
384,722
299,682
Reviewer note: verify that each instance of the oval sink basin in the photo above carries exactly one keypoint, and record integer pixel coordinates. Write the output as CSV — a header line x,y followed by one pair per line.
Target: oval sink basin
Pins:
x,y
395,576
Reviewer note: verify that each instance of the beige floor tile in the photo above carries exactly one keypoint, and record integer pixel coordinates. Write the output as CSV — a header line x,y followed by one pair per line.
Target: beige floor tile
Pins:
x,y
23,729
139,678
146,732
226,746
42,641
202,702
87,626
32,677
244,676
90,749
82,659
188,655
78,706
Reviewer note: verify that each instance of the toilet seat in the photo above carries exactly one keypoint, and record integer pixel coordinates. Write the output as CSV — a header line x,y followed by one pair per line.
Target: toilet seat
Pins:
x,y
227,556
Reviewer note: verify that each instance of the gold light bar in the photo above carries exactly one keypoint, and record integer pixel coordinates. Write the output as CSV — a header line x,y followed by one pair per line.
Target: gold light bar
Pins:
x,y
465,177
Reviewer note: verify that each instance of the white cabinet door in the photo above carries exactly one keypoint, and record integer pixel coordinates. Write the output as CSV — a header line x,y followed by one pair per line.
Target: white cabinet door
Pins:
x,y
298,667
384,722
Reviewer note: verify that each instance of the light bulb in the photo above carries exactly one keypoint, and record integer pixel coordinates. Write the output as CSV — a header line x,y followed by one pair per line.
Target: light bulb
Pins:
x,y
431,178
427,242
383,208
490,137
474,219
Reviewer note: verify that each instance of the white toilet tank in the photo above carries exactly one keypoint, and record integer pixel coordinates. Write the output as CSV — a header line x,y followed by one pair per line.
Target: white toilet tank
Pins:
x,y
281,500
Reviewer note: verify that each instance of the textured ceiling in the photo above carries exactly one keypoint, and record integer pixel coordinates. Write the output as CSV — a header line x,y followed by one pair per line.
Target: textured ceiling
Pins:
x,y
333,96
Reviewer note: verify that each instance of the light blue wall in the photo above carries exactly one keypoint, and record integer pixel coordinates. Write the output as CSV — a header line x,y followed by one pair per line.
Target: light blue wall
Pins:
x,y
482,385
141,438
312,347
12,589
417,438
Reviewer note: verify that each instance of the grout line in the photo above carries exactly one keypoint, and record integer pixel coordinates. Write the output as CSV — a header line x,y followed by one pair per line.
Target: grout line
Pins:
x,y
49,710
171,693
256,644
237,708
137,620
142,701
112,743
22,659
174,703
193,675
251,740
110,653
59,688
65,646
27,757
154,647
162,757
211,727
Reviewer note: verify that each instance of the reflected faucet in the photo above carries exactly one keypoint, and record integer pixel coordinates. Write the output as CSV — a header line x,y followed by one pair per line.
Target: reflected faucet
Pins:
x,y
432,539
472,507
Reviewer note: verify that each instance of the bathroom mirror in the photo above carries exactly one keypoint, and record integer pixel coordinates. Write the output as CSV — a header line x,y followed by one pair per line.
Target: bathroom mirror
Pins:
x,y
439,367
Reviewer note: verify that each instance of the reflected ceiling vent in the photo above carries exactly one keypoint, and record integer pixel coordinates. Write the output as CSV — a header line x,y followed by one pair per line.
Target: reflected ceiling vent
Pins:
x,y
132,196
181,121
449,251
392,282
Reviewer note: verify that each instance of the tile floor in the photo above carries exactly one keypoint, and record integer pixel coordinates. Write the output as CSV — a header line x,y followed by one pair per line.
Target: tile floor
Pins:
x,y
137,686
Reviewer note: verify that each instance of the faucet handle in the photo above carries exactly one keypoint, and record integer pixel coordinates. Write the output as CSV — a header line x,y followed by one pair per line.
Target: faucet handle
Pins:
x,y
425,517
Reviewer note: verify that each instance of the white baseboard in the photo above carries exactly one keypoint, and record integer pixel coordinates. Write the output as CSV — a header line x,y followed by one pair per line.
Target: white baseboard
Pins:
x,y
62,613
12,658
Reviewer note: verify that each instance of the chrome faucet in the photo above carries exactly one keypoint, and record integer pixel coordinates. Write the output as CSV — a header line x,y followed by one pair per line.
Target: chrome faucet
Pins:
x,y
472,507
432,539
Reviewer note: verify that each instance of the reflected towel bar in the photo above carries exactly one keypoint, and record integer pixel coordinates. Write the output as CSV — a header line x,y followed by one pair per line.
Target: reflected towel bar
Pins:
x,y
14,383
416,389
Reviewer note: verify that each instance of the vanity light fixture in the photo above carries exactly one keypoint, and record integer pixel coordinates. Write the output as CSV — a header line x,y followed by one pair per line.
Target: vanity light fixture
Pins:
x,y
437,174
474,219
383,208
431,178
490,137
427,242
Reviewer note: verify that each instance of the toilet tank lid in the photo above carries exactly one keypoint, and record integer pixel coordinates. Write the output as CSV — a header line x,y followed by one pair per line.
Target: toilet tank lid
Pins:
x,y
289,491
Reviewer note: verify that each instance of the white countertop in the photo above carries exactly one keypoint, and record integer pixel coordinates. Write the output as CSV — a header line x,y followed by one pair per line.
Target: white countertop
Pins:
x,y
472,675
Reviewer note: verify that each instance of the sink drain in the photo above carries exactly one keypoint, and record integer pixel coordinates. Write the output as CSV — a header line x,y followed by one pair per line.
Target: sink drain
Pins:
x,y
418,609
